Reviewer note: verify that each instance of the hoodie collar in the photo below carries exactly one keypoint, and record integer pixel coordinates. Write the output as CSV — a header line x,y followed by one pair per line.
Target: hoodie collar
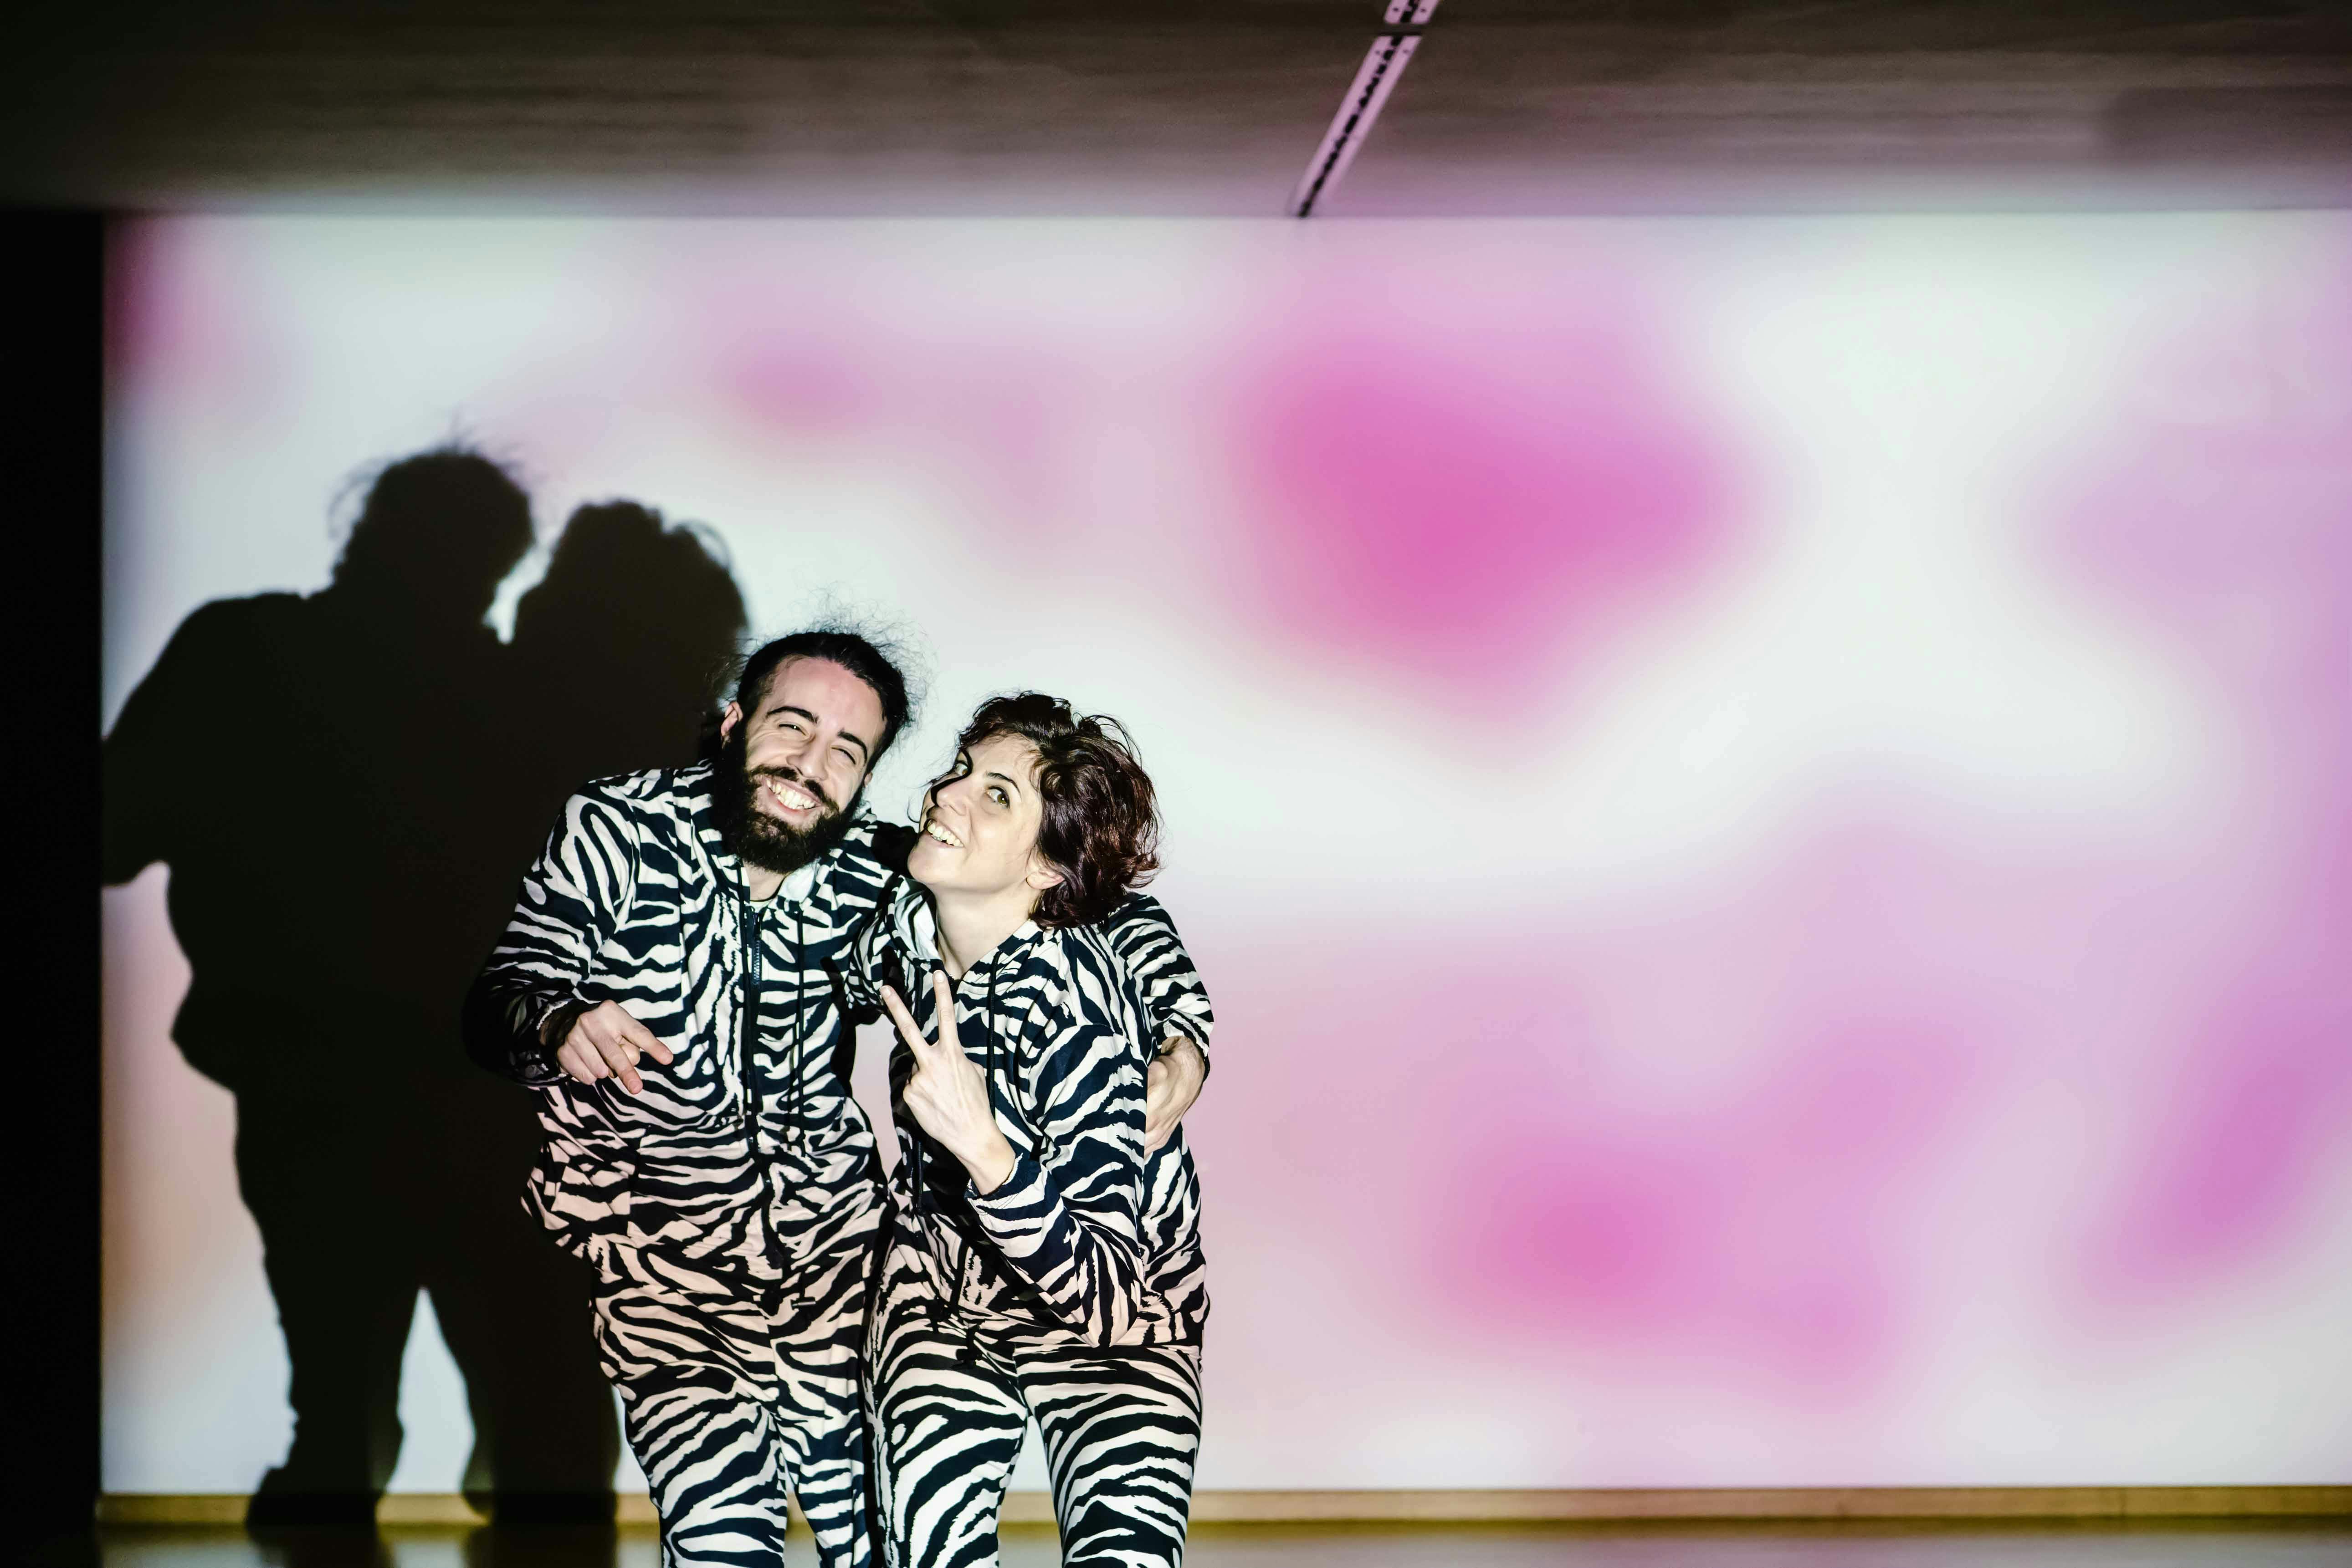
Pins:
x,y
918,927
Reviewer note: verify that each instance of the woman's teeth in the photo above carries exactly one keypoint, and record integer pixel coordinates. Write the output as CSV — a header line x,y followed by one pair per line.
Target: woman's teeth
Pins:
x,y
943,834
790,797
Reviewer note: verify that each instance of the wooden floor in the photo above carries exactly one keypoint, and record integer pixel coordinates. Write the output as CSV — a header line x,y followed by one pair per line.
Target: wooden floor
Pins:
x,y
2266,1545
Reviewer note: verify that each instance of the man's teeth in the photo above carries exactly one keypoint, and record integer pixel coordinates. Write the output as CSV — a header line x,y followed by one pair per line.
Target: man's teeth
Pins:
x,y
943,834
790,798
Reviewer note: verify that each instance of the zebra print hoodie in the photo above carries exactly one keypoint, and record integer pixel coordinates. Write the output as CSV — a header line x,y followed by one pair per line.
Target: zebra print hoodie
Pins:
x,y
1089,1243
749,1148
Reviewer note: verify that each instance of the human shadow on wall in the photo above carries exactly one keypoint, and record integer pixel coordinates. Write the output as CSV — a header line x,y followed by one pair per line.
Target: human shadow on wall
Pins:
x,y
346,787
622,648
618,654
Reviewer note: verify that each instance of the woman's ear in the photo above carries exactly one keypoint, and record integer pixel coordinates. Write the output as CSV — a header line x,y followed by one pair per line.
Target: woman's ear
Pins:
x,y
1042,873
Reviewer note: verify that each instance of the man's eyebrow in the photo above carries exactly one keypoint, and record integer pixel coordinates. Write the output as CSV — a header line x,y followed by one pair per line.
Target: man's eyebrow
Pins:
x,y
846,734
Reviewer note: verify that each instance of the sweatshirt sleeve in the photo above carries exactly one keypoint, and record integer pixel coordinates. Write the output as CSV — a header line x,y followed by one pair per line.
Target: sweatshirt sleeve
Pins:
x,y
574,895
878,955
1143,936
868,871
1071,1225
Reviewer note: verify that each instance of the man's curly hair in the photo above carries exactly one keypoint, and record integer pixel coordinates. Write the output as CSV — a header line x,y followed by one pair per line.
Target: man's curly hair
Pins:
x,y
1101,818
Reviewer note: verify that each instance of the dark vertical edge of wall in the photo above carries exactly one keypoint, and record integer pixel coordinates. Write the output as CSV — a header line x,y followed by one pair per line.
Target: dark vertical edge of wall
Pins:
x,y
55,468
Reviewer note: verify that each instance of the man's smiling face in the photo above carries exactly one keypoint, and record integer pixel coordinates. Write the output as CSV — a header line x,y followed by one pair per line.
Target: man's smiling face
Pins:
x,y
789,774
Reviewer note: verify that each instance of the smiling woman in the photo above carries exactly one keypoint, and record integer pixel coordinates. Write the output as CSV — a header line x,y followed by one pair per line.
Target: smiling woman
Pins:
x,y
1064,798
1042,1259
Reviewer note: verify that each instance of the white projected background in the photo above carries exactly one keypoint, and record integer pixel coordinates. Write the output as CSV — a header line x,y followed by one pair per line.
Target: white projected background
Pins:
x,y
1763,803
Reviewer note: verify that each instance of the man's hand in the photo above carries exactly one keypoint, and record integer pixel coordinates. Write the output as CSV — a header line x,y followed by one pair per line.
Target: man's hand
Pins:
x,y
1170,1087
948,1095
605,1042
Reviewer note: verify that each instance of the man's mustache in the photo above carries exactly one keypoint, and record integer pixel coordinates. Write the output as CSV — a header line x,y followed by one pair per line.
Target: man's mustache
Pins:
x,y
794,777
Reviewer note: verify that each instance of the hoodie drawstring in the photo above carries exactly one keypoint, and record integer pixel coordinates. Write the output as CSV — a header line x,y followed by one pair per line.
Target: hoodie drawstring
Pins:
x,y
746,1027
747,1020
797,1132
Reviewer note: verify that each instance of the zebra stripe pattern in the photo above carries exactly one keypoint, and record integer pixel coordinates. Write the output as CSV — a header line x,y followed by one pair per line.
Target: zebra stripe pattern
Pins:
x,y
736,1390
1072,1291
1089,1243
948,1407
730,1210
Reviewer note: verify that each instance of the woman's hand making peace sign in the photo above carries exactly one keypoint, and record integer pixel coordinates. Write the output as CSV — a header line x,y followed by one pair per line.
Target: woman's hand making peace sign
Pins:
x,y
948,1096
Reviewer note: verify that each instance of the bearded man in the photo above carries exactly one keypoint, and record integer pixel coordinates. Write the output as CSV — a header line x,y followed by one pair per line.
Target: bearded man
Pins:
x,y
671,983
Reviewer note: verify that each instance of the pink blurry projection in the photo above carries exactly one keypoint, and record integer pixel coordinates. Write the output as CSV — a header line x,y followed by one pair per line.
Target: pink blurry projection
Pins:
x,y
2223,527
181,318
905,358
1741,1235
989,424
1859,1097
793,384
2259,1115
1746,1209
1469,491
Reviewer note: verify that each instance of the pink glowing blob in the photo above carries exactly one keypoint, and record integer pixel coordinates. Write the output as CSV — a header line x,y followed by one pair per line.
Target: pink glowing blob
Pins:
x,y
988,426
1755,1223
184,317
1747,1229
1469,498
2222,523
789,384
2260,1112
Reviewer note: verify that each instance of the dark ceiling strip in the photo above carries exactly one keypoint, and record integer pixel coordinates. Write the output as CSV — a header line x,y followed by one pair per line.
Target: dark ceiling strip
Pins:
x,y
1384,62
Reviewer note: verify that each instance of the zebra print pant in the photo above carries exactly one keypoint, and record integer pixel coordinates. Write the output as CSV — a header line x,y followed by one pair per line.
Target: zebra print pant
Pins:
x,y
946,1411
736,1392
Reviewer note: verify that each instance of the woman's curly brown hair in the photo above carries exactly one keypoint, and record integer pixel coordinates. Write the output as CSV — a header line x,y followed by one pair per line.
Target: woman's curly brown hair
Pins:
x,y
1100,827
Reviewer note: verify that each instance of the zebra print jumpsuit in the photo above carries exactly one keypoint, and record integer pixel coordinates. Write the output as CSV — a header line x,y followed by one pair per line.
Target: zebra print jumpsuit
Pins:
x,y
732,1210
1073,1291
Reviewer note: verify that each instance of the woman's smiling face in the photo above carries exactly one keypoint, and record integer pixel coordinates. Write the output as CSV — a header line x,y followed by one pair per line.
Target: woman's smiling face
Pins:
x,y
981,822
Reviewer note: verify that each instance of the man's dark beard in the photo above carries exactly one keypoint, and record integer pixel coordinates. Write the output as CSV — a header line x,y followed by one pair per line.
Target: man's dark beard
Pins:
x,y
752,835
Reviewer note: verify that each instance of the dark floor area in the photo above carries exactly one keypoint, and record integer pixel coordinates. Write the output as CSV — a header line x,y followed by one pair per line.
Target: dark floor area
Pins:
x,y
2264,1545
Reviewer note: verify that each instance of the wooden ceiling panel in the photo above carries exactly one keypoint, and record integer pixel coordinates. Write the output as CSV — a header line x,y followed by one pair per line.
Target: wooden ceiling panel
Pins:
x,y
973,106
